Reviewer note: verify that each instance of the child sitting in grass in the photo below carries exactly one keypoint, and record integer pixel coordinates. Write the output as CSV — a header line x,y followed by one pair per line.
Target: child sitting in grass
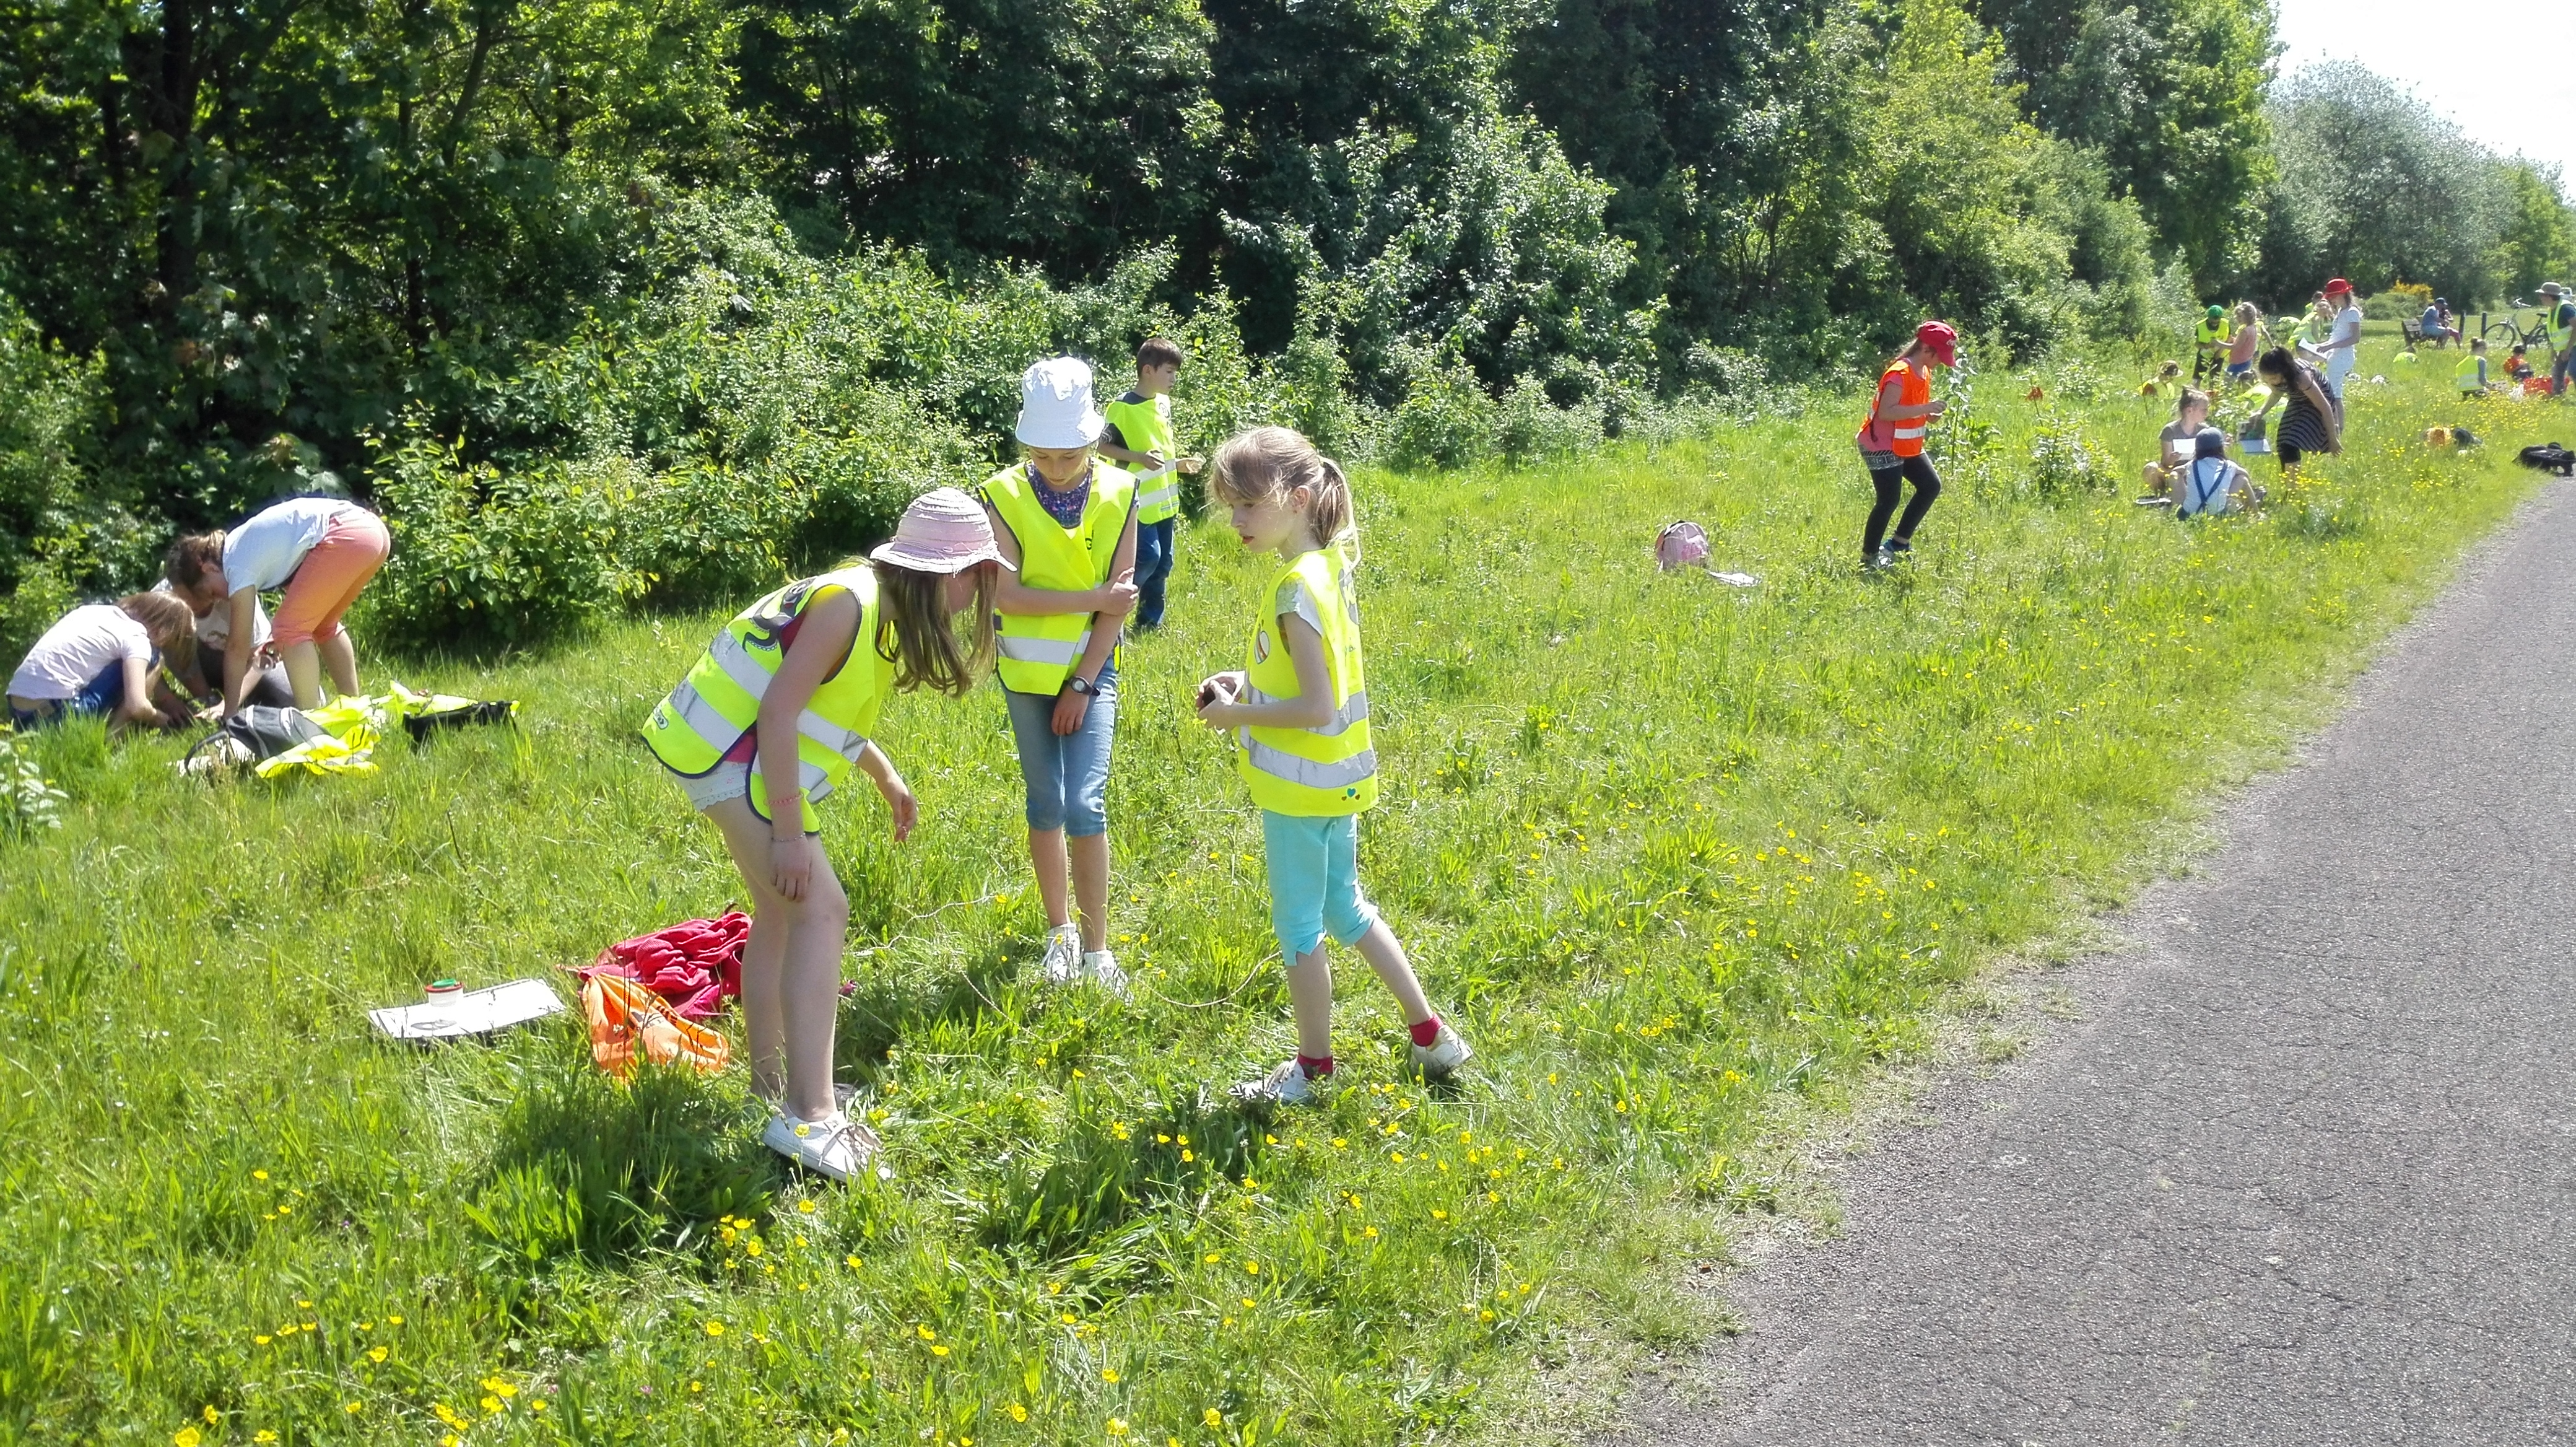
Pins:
x,y
105,659
1300,708
2173,444
2210,484
776,714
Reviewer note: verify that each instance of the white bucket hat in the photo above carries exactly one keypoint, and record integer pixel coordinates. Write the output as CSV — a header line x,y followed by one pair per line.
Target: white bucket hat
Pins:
x,y
1055,405
944,531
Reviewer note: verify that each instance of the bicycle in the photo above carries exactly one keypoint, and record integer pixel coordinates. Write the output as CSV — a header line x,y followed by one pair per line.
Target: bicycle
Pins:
x,y
2507,333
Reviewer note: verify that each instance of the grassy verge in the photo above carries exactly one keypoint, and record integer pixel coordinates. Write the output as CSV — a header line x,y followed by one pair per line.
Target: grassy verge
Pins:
x,y
1675,856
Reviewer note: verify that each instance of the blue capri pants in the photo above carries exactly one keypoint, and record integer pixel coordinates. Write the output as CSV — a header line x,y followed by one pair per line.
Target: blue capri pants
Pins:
x,y
1315,881
1067,775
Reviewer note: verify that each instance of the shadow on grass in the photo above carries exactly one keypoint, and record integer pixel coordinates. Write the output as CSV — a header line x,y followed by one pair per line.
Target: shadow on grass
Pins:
x,y
586,1167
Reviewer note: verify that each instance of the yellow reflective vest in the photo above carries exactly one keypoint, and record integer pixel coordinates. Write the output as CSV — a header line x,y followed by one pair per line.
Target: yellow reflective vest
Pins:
x,y
2470,375
1322,771
2560,329
1039,650
2213,334
1146,424
719,701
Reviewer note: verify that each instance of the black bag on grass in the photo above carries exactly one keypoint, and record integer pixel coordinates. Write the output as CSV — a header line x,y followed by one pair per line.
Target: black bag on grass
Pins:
x,y
2550,457
263,732
428,721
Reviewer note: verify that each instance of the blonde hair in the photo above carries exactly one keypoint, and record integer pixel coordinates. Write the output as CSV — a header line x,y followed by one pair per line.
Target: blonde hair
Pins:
x,y
170,621
915,633
1266,464
2245,312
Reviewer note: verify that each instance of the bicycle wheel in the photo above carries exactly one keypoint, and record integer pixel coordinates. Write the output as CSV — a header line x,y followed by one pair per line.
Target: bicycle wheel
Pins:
x,y
2502,334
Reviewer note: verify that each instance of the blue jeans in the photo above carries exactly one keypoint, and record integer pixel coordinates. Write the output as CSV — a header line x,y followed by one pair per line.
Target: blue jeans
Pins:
x,y
1315,881
1153,568
104,694
1067,775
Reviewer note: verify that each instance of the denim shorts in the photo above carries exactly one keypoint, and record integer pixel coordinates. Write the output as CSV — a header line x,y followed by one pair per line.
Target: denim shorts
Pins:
x,y
1067,776
104,694
1315,881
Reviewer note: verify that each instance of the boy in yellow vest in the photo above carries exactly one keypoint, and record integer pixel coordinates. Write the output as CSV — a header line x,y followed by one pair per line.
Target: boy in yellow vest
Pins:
x,y
1140,435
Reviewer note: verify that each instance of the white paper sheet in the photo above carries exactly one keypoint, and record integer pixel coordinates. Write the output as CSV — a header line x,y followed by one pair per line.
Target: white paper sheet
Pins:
x,y
475,1012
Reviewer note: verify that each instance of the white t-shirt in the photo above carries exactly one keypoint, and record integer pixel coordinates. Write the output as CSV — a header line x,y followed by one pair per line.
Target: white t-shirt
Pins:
x,y
86,643
216,629
265,551
2207,485
2339,363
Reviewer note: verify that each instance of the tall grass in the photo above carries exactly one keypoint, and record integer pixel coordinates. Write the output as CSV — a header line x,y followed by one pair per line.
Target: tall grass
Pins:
x,y
1676,857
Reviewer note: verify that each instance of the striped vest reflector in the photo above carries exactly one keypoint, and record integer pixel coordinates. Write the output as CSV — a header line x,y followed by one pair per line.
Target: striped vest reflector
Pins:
x,y
693,729
1147,425
1887,434
1327,770
2471,374
1039,650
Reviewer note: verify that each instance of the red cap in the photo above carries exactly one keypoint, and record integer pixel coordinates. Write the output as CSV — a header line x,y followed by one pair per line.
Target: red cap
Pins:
x,y
1940,341
2338,285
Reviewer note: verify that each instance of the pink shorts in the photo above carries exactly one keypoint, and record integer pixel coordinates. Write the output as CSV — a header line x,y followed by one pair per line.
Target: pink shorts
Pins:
x,y
331,577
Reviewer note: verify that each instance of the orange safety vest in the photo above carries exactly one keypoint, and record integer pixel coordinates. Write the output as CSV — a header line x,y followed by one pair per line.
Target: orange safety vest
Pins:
x,y
1883,434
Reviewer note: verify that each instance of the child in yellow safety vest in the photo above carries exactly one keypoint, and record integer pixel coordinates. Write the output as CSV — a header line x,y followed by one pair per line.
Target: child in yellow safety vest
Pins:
x,y
775,714
1299,708
1139,433
2470,376
1067,522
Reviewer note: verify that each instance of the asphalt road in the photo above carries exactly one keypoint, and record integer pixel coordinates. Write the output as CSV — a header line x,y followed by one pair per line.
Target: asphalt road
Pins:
x,y
2304,1171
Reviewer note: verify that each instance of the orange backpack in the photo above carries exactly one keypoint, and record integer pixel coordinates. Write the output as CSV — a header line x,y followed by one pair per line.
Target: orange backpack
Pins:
x,y
625,1014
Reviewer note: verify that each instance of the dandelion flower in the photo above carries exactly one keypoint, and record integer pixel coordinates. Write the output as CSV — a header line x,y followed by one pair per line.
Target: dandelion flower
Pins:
x,y
926,1333
263,1435
805,1208
939,1350
261,1340
1117,1426
259,1175
377,1354
715,1328
393,1321
1019,1413
1212,1417
1109,1375
186,1437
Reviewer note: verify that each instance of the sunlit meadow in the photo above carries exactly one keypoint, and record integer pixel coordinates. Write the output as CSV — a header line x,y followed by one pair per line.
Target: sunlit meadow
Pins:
x,y
1683,861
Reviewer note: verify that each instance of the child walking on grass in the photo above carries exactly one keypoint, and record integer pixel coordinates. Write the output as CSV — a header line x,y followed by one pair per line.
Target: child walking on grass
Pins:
x,y
1299,707
801,675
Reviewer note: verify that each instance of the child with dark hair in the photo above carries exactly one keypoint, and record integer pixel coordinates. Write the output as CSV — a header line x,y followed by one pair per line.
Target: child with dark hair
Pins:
x,y
2310,421
1139,434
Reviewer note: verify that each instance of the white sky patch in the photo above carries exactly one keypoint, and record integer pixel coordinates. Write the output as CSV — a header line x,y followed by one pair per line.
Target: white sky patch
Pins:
x,y
2505,72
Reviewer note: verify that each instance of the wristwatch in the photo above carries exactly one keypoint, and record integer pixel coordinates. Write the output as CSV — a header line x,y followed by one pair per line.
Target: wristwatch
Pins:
x,y
1082,685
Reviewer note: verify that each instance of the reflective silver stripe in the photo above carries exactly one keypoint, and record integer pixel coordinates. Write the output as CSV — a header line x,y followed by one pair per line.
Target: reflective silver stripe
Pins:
x,y
1159,496
739,665
1915,431
1354,710
690,708
1280,764
1026,648
830,735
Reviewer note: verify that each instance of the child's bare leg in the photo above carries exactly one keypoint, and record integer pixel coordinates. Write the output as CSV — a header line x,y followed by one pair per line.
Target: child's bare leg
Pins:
x,y
1091,888
791,969
1385,956
1047,861
1310,995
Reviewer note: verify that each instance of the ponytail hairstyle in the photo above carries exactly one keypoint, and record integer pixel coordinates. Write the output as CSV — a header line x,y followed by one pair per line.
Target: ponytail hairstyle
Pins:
x,y
916,633
192,557
170,621
1266,464
2191,397
2247,313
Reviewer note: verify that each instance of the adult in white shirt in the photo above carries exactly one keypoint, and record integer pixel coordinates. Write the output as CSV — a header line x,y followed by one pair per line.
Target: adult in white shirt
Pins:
x,y
204,675
99,659
322,551
2342,348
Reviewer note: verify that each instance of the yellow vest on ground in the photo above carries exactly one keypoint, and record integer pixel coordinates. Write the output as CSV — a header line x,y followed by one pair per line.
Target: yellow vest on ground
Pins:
x,y
1039,650
1323,771
2470,375
719,701
1146,423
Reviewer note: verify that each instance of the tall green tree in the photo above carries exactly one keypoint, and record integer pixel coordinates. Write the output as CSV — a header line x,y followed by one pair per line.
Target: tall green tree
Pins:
x,y
2170,94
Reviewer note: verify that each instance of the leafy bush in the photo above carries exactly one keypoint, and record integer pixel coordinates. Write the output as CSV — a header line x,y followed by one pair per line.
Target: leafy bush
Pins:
x,y
484,556
1446,421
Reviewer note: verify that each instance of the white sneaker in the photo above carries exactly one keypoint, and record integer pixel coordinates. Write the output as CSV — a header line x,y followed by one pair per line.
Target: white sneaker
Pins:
x,y
1443,1055
1062,964
1101,968
1286,1084
835,1146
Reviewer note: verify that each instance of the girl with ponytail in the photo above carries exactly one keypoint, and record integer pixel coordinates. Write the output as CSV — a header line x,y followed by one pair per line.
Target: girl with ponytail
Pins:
x,y
1298,710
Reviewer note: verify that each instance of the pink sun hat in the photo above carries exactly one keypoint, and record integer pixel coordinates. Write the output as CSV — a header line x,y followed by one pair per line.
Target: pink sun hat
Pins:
x,y
944,531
